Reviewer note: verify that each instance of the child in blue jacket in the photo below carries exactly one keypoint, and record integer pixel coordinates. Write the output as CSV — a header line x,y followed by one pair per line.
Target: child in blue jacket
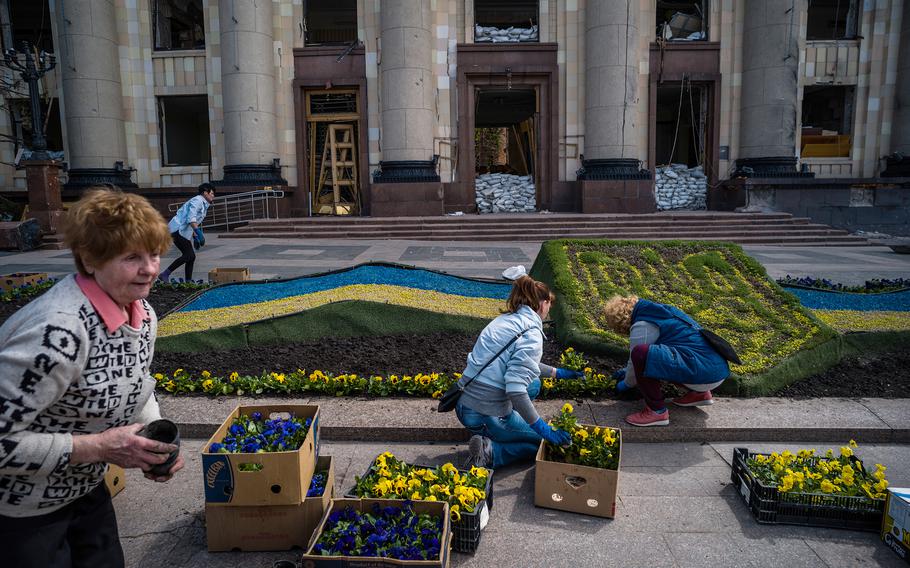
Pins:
x,y
665,344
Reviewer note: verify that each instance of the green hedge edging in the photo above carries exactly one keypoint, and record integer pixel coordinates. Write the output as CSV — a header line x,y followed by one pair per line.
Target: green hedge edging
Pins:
x,y
352,318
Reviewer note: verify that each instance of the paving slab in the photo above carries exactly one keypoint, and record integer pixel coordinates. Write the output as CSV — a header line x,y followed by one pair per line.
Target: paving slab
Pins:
x,y
729,419
163,525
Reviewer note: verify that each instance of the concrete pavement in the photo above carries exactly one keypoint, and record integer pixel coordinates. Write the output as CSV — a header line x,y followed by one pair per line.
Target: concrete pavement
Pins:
x,y
283,258
676,507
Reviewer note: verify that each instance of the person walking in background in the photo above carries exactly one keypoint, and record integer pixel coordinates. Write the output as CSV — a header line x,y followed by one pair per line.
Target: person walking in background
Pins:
x,y
186,231
503,376
76,389
665,344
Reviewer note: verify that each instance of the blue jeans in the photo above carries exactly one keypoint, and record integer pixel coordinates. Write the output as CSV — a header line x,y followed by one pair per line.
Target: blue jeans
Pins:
x,y
512,437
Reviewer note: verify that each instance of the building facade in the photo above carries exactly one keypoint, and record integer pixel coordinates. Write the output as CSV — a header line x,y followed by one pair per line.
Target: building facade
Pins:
x,y
403,107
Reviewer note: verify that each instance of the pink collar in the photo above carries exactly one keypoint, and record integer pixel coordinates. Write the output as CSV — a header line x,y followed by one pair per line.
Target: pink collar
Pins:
x,y
108,309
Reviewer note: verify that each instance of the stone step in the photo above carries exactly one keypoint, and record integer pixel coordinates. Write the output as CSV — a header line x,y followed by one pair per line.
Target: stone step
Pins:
x,y
773,238
412,230
52,242
543,233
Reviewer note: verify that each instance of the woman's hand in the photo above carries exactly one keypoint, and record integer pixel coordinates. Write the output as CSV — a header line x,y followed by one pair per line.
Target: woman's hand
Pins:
x,y
563,374
178,465
121,446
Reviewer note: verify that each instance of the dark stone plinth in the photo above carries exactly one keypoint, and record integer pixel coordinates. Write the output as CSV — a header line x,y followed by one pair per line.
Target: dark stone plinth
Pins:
x,y
611,169
617,196
407,171
406,199
85,178
20,235
897,165
44,202
252,174
770,167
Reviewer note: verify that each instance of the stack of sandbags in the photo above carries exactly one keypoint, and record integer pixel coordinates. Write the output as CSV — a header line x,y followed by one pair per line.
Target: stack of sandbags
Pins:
x,y
488,34
681,187
504,193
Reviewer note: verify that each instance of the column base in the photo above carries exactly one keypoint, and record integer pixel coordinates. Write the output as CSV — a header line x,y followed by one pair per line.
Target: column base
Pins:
x,y
252,174
406,199
84,178
407,171
612,169
770,167
617,196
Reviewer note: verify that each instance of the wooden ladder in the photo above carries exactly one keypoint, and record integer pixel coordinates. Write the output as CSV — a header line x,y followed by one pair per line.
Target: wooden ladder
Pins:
x,y
337,192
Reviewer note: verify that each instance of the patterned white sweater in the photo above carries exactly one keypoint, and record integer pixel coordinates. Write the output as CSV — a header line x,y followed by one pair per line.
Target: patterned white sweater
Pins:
x,y
62,373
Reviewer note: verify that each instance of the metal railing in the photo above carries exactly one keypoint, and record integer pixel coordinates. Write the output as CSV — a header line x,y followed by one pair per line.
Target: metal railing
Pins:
x,y
238,208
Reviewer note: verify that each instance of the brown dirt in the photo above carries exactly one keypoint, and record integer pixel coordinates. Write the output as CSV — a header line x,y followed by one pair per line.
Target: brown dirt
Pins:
x,y
878,375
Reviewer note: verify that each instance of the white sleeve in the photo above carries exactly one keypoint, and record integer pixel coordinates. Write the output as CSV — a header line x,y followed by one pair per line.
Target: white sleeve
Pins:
x,y
40,360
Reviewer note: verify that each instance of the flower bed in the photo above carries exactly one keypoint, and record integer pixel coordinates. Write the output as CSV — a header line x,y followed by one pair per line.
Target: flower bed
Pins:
x,y
325,383
874,286
469,493
248,302
716,283
390,533
805,489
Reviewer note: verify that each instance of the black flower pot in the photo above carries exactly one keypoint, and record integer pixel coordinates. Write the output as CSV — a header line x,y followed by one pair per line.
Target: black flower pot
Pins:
x,y
163,430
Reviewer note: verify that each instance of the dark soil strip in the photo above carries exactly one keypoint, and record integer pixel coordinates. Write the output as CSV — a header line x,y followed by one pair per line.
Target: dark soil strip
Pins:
x,y
882,375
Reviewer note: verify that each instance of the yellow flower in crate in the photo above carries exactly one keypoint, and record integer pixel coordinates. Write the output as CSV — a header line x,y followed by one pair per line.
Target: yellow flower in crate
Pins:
x,y
828,474
598,450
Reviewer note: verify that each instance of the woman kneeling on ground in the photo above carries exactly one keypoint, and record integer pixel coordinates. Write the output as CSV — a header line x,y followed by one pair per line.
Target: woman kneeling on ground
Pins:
x,y
665,345
76,389
496,407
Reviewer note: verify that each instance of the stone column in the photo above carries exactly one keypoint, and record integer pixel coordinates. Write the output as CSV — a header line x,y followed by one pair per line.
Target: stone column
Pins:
x,y
767,144
900,131
611,80
611,180
92,96
248,90
408,92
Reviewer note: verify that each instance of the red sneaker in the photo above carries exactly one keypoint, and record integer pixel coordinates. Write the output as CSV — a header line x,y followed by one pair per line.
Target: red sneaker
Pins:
x,y
693,398
648,417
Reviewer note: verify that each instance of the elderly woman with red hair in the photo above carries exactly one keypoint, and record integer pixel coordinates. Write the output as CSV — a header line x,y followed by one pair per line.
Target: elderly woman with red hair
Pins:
x,y
76,389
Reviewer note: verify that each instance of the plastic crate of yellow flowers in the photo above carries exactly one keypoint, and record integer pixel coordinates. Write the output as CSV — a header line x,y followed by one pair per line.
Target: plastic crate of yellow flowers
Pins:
x,y
830,490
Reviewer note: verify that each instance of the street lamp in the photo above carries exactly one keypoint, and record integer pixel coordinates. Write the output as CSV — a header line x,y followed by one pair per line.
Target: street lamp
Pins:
x,y
31,70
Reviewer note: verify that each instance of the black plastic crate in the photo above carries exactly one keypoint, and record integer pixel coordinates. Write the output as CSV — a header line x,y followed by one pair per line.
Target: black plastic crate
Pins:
x,y
770,506
465,531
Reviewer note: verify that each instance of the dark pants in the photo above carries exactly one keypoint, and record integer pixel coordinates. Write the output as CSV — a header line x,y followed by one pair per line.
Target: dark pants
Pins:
x,y
649,388
81,534
187,255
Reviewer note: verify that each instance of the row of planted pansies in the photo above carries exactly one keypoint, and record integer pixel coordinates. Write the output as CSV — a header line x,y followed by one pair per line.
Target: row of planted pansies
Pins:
x,y
325,383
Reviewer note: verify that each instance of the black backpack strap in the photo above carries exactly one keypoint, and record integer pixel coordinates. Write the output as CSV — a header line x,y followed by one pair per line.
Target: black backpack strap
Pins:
x,y
494,357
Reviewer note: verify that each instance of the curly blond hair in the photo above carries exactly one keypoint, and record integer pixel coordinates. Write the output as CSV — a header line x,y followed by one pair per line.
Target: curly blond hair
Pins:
x,y
618,313
106,223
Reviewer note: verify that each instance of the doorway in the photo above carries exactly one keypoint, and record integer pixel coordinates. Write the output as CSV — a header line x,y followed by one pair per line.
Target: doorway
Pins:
x,y
505,149
333,136
681,145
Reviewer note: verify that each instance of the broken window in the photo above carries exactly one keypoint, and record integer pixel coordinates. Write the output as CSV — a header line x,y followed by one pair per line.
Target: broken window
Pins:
x,y
28,21
827,121
506,21
330,22
178,24
682,20
184,129
832,19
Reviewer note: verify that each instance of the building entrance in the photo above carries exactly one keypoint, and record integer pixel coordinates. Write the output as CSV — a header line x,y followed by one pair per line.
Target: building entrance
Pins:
x,y
505,149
